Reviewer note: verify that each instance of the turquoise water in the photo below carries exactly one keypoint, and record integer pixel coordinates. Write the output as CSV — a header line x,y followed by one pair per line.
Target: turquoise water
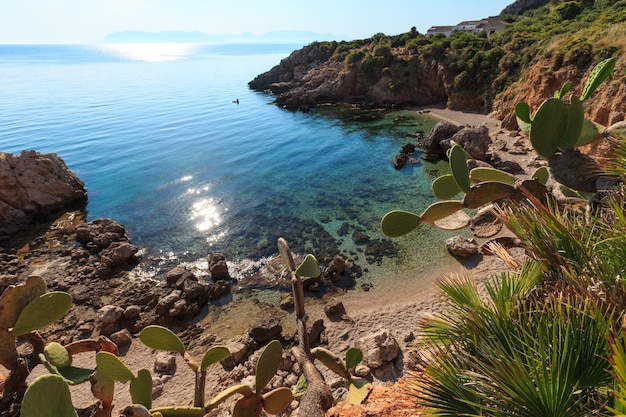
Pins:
x,y
154,133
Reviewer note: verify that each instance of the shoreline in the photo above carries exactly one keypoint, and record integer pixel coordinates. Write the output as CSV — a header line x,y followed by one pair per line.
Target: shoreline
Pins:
x,y
397,311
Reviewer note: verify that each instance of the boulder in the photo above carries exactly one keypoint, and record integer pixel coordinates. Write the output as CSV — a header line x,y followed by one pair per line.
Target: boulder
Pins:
x,y
110,314
336,267
431,145
101,232
400,160
35,186
218,268
334,309
118,253
265,330
378,348
475,141
485,223
461,246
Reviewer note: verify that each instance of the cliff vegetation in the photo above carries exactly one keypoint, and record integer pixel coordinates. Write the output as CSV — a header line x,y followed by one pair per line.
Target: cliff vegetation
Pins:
x,y
548,44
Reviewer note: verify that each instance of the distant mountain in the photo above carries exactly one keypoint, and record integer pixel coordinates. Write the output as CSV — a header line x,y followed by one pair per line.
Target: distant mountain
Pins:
x,y
302,37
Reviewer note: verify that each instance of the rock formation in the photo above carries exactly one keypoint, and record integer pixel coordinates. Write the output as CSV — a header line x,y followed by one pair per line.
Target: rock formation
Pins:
x,y
34,186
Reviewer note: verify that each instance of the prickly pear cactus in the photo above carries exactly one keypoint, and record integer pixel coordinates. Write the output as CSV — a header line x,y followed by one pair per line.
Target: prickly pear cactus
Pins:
x,y
48,396
268,364
277,400
309,267
213,355
57,355
161,338
16,297
42,311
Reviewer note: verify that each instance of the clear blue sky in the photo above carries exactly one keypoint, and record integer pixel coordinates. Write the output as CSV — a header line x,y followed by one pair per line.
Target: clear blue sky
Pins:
x,y
89,21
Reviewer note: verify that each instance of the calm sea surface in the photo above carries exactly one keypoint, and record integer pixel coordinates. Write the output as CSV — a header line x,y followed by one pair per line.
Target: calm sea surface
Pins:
x,y
155,134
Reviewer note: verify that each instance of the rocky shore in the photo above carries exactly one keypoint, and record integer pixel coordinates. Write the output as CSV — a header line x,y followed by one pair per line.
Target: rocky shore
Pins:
x,y
118,290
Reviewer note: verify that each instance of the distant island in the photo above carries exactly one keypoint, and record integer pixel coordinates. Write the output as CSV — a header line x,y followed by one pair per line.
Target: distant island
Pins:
x,y
302,37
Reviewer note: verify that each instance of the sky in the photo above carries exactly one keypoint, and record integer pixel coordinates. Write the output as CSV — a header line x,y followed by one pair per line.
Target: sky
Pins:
x,y
89,21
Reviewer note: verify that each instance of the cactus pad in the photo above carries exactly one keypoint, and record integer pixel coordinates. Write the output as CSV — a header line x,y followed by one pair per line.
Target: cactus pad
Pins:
x,y
8,352
242,389
213,355
331,361
445,187
597,76
458,165
309,267
161,338
549,127
277,400
399,222
487,192
576,117
57,355
541,174
48,396
440,210
16,297
112,367
141,389
353,357
178,411
251,406
359,390
522,114
40,312
268,364
482,174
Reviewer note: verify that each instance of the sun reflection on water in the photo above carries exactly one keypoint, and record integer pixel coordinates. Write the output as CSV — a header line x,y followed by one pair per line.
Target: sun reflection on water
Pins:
x,y
152,52
205,215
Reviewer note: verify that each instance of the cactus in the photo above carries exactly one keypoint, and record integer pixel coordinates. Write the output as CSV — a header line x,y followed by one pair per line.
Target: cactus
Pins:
x,y
458,165
597,76
358,388
541,174
25,308
399,222
16,297
109,366
549,126
487,192
57,355
162,338
309,267
48,396
267,365
252,402
42,311
486,185
445,187
560,125
439,210
482,174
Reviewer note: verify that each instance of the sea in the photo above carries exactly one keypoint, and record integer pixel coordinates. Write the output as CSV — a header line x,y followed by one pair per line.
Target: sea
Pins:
x,y
171,142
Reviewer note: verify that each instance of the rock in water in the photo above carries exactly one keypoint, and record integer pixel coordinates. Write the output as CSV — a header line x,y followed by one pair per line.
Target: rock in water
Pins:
x,y
34,186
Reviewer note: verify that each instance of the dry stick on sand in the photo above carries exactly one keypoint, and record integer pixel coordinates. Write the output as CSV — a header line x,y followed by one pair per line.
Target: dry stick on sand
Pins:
x,y
318,397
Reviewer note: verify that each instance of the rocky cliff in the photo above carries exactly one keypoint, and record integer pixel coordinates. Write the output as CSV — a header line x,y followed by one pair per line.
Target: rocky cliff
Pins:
x,y
315,75
321,73
34,186
531,60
